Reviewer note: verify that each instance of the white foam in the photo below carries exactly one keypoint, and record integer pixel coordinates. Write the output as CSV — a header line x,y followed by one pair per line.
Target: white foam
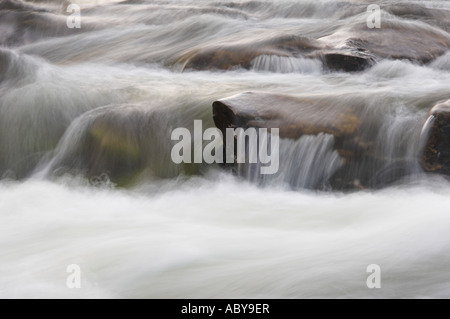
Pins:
x,y
222,239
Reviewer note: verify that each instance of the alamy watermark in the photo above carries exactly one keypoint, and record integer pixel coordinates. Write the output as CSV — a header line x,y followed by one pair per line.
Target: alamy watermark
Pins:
x,y
374,17
374,279
251,146
74,19
74,279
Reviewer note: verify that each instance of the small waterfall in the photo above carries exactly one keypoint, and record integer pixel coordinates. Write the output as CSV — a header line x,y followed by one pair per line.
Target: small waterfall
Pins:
x,y
309,162
305,163
281,64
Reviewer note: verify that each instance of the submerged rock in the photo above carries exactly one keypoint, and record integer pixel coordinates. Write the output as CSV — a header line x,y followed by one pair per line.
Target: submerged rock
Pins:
x,y
23,23
293,116
110,140
436,154
125,142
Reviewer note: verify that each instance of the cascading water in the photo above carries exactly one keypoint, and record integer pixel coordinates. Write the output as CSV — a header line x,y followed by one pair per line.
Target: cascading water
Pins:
x,y
279,64
308,163
86,117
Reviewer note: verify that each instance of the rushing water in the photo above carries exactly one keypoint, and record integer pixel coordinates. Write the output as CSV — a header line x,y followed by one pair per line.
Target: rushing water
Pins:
x,y
198,230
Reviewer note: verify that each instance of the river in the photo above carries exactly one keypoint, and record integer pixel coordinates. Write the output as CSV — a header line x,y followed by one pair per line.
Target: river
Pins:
x,y
198,230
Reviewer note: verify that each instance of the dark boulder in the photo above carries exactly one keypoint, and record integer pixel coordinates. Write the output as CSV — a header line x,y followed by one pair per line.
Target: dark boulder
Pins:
x,y
294,117
436,154
346,60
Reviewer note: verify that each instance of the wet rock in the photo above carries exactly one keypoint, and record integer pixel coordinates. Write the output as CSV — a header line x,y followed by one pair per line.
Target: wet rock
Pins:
x,y
352,47
396,39
110,141
241,54
350,58
224,58
436,154
293,116
355,131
